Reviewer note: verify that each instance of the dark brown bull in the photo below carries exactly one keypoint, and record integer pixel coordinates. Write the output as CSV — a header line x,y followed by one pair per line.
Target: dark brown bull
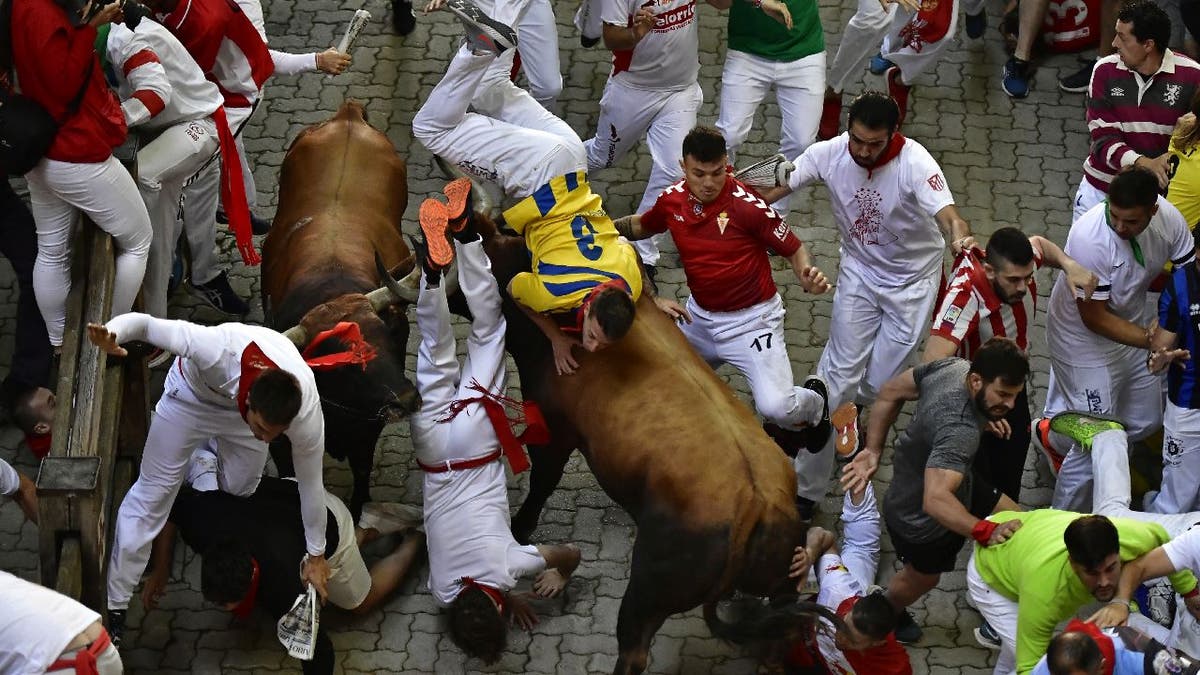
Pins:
x,y
342,192
712,495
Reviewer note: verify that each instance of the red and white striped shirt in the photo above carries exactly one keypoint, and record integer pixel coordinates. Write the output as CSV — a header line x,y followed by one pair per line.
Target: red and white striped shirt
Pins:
x,y
970,313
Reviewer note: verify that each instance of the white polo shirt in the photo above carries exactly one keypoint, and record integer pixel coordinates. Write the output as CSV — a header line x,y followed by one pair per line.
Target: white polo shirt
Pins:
x,y
36,625
1123,280
885,215
668,58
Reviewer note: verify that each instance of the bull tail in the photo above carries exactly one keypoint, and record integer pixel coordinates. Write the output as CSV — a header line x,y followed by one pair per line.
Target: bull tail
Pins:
x,y
750,619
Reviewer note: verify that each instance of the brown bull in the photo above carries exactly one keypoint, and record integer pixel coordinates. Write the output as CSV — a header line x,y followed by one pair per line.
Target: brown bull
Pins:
x,y
342,192
712,495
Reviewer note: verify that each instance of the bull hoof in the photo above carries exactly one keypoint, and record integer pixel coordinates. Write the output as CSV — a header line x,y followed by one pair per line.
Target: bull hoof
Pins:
x,y
403,20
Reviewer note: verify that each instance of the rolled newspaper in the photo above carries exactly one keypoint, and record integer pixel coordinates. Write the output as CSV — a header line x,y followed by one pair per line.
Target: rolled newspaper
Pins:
x,y
360,19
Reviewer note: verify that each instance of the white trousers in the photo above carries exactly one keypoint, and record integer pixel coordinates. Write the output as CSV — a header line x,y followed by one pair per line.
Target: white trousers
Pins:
x,y
587,19
860,537
1110,460
874,333
799,90
1086,197
1181,462
664,119
752,341
59,193
537,42
999,612
441,381
860,38
203,191
510,140
164,166
182,422
1123,388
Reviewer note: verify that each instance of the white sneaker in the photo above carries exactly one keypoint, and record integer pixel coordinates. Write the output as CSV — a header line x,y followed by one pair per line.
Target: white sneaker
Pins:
x,y
391,517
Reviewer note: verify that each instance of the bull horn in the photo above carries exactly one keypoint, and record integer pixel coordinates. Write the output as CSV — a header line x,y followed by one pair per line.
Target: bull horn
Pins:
x,y
297,335
393,291
483,199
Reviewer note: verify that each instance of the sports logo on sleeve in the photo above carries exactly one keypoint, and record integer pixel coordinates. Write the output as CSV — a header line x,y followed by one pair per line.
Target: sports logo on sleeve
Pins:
x,y
936,182
951,315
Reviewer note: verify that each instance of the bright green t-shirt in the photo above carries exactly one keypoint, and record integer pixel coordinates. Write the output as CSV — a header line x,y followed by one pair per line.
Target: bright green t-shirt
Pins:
x,y
753,31
1032,569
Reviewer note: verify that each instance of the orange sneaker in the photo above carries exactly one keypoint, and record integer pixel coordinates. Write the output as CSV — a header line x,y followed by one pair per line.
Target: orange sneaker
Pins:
x,y
845,429
434,225
1041,440
458,201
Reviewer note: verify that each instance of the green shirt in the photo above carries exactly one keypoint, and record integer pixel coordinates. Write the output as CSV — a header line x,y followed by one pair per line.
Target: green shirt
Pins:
x,y
753,31
1033,570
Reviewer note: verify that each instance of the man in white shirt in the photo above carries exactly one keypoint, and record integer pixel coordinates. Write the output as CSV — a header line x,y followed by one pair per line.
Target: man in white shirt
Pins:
x,y
653,89
460,436
45,632
893,208
1098,345
165,95
242,386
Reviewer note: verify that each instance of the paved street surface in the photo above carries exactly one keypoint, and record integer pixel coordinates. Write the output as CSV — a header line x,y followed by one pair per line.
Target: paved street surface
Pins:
x,y
1008,163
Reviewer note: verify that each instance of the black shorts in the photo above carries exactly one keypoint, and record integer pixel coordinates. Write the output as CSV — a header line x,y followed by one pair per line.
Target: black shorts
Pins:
x,y
940,554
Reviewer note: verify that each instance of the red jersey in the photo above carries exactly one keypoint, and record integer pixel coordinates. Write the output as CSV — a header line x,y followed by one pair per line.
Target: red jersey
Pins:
x,y
970,313
51,57
723,245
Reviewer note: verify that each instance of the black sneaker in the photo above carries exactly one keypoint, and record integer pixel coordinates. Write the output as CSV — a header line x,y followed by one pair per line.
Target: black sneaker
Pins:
x,y
1077,82
818,434
484,33
806,507
258,226
116,626
976,25
221,296
987,636
588,42
907,630
403,20
790,442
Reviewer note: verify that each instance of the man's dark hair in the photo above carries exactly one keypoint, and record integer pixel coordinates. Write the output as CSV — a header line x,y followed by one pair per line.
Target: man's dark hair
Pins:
x,y
276,396
1091,540
1072,651
704,144
1148,22
22,411
225,572
875,110
1010,245
1001,358
476,627
613,310
1132,188
874,616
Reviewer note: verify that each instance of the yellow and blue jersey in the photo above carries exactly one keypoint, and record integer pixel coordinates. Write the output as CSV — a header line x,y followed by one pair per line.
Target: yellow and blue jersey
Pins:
x,y
573,244
1184,189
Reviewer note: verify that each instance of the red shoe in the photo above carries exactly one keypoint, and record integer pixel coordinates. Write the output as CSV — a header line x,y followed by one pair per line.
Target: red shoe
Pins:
x,y
831,117
434,225
458,201
898,91
1041,440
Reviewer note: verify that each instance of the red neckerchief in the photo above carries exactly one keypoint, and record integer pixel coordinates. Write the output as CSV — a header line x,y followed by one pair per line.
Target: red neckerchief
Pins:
x,y
491,592
890,153
39,444
1102,641
246,605
581,311
254,363
233,191
358,350
536,432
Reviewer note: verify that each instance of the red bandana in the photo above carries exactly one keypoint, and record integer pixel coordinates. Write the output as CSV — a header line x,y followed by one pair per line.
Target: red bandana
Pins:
x,y
491,592
358,350
246,605
39,444
536,432
254,363
1102,641
890,153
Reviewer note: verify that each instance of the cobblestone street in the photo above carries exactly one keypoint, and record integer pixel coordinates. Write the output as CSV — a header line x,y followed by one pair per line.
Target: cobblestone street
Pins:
x,y
1008,162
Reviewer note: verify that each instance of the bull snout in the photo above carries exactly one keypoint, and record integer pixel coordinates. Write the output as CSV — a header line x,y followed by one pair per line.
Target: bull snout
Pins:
x,y
352,111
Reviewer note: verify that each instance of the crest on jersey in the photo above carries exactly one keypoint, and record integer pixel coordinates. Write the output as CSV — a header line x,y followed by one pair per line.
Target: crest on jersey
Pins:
x,y
1171,95
936,182
697,208
722,221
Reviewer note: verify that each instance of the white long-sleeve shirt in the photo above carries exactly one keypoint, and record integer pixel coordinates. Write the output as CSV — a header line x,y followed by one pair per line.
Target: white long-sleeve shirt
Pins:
x,y
158,81
10,480
36,625
211,364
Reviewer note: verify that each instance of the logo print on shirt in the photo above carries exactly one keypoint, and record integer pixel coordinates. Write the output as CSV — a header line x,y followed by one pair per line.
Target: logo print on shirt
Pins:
x,y
1171,95
936,182
697,208
1116,91
911,35
868,229
1094,402
722,221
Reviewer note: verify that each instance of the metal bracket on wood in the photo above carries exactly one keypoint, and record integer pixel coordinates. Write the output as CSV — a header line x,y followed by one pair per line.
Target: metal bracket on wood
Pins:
x,y
68,474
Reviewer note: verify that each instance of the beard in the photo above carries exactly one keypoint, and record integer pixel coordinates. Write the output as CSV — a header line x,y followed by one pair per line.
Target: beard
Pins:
x,y
993,413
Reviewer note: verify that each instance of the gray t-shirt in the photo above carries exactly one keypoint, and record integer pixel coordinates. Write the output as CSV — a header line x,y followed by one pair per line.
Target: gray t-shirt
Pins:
x,y
943,434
